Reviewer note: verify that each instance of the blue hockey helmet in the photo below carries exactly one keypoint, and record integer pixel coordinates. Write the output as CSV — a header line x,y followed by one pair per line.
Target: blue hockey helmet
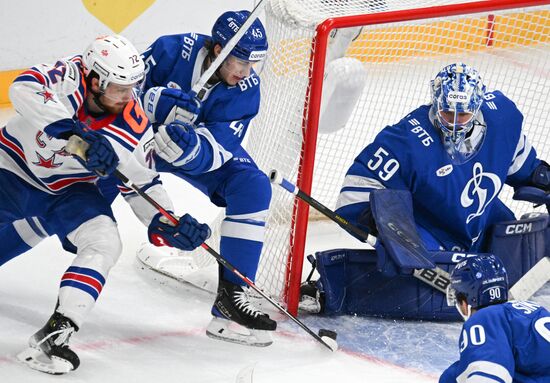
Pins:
x,y
252,46
480,281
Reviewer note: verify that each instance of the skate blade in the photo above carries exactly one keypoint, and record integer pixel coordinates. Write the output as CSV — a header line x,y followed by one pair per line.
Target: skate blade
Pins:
x,y
37,360
220,329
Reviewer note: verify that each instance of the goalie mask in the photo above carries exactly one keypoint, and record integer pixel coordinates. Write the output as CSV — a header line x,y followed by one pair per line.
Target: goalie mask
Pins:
x,y
457,95
249,52
117,64
480,281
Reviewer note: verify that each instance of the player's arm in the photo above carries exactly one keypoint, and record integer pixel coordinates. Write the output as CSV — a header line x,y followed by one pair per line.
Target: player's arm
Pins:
x,y
376,167
188,233
41,95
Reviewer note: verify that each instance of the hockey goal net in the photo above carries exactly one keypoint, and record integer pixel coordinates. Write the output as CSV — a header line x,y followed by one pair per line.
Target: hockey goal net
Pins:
x,y
401,47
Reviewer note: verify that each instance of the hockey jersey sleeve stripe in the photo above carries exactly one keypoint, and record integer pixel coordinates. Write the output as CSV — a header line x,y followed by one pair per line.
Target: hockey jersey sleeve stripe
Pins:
x,y
520,156
125,190
120,135
13,144
484,371
33,75
68,181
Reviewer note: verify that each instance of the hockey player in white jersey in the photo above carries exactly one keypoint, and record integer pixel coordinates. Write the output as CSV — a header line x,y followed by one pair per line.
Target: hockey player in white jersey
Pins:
x,y
91,96
500,341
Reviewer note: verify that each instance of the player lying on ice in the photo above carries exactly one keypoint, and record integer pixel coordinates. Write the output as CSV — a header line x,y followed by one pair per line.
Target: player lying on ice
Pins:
x,y
500,341
437,172
91,96
208,154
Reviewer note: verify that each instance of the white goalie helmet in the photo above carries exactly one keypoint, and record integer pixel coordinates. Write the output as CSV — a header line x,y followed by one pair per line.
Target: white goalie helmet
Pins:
x,y
115,60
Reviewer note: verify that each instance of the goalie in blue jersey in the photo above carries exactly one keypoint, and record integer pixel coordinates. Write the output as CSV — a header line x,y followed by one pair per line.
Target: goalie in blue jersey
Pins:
x,y
453,156
500,341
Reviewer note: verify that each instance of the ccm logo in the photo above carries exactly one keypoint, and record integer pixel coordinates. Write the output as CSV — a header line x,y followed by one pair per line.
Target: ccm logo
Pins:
x,y
519,228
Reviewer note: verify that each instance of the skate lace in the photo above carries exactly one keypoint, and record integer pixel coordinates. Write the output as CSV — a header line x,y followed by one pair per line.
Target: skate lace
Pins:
x,y
242,302
63,335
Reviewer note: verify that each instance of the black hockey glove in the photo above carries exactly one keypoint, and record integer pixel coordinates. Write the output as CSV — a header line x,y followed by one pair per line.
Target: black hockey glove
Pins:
x,y
366,222
187,235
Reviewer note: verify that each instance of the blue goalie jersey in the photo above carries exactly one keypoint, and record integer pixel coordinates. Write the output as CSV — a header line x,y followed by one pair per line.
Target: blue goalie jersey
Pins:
x,y
454,203
504,343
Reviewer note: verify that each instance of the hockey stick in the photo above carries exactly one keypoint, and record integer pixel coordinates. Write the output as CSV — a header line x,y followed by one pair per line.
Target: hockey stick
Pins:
x,y
77,146
199,88
438,278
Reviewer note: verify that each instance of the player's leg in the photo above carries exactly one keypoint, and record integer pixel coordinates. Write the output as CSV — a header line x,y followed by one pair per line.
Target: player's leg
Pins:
x,y
20,236
85,218
247,193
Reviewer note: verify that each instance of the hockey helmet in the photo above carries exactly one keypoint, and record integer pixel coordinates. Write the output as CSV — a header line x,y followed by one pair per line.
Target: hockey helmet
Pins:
x,y
115,60
480,281
252,46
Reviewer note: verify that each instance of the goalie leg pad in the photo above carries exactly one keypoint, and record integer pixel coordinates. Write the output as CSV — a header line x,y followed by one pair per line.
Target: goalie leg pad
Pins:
x,y
520,244
352,284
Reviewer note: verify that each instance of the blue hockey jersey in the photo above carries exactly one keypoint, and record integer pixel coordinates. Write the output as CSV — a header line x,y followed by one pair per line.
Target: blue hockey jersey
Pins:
x,y
455,203
176,61
504,343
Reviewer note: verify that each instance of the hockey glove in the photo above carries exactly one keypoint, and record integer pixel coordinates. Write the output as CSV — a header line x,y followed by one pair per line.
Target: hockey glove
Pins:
x,y
177,143
366,222
165,105
532,194
541,176
101,157
187,235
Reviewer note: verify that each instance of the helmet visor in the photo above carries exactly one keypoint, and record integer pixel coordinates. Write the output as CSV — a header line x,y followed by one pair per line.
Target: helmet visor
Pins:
x,y
120,93
235,69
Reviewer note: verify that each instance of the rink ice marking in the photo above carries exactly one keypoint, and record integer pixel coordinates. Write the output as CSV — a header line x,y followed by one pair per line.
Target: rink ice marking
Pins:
x,y
366,357
199,331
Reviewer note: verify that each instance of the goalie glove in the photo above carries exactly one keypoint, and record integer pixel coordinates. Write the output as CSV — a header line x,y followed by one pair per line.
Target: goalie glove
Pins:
x,y
165,105
177,143
187,235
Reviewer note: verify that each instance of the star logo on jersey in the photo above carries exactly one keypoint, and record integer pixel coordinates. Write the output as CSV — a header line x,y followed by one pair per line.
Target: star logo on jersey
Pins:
x,y
48,163
48,96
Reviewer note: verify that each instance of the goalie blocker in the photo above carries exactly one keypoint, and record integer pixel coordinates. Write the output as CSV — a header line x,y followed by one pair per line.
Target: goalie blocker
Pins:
x,y
355,282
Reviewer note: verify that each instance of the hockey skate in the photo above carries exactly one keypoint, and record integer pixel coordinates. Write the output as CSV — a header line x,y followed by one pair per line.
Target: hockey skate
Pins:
x,y
312,300
231,308
49,347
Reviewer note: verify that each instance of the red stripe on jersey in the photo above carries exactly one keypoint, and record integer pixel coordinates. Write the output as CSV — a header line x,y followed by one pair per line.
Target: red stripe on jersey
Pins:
x,y
12,145
37,75
63,183
121,133
84,279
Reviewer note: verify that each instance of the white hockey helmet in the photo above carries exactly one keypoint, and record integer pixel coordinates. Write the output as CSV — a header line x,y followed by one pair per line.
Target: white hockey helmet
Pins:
x,y
115,60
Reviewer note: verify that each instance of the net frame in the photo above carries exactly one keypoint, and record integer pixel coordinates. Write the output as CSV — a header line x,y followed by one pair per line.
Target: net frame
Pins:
x,y
311,111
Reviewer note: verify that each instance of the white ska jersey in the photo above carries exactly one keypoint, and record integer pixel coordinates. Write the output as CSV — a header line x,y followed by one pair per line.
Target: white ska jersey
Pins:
x,y
46,97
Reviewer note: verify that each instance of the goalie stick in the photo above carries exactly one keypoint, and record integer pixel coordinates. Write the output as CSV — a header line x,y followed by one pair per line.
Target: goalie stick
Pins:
x,y
77,146
438,278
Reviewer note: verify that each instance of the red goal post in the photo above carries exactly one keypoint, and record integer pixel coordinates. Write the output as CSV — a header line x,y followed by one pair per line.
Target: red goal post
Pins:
x,y
284,135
